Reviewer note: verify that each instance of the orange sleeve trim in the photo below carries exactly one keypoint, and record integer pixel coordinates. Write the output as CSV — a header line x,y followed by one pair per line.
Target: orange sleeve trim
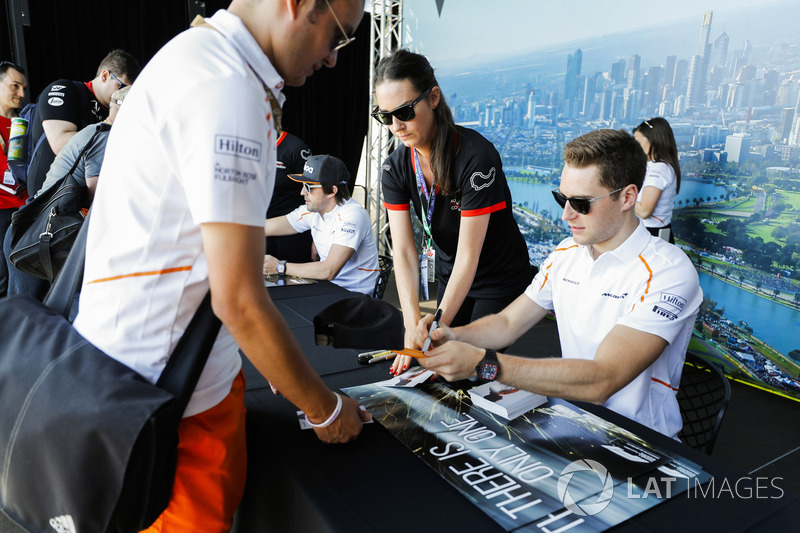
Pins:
x,y
484,210
649,279
281,138
369,269
304,215
396,207
139,274
664,383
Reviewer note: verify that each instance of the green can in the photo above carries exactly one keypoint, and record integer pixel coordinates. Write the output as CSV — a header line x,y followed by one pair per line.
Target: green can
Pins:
x,y
16,141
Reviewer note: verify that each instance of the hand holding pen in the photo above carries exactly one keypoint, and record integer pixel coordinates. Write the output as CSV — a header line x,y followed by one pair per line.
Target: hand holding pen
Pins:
x,y
435,324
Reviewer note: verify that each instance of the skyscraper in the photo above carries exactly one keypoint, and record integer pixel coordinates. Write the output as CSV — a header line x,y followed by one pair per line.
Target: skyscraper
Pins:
x,y
794,134
618,71
698,69
720,50
573,72
632,73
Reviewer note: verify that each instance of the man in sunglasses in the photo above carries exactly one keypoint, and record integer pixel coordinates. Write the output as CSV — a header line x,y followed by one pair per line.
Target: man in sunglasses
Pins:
x,y
339,226
625,301
65,107
187,179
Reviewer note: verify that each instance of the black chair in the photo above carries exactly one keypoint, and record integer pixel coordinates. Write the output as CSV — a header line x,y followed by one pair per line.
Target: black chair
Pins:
x,y
703,396
385,263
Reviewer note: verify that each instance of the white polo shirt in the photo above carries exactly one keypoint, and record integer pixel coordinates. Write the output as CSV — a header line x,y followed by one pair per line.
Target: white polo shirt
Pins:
x,y
348,225
194,143
662,177
646,284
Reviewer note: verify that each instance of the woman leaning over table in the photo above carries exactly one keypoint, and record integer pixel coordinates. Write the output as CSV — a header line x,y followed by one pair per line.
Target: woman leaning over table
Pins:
x,y
454,179
663,179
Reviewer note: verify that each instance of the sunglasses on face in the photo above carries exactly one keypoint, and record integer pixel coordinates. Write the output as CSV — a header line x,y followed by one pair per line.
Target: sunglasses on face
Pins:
x,y
307,188
404,113
581,205
116,79
338,44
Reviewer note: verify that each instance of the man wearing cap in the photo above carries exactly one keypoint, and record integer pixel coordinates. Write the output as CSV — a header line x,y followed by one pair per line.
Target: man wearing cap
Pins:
x,y
625,301
339,225
179,211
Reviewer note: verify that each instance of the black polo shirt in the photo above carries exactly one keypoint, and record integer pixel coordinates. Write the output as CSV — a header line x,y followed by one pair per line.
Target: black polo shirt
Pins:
x,y
61,100
503,265
292,154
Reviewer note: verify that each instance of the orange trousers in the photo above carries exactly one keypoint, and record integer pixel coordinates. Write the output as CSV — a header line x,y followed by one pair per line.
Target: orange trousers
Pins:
x,y
212,467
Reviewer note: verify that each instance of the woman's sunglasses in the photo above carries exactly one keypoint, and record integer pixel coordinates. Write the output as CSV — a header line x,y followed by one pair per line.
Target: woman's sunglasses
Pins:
x,y
581,205
404,113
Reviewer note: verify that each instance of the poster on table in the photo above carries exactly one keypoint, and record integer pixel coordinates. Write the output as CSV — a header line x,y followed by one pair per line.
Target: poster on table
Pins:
x,y
557,463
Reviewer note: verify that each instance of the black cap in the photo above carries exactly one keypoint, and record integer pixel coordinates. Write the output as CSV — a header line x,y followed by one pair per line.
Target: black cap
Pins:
x,y
360,322
323,169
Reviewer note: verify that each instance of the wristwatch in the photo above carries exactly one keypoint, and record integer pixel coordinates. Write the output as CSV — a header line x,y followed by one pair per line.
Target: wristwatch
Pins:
x,y
489,367
280,268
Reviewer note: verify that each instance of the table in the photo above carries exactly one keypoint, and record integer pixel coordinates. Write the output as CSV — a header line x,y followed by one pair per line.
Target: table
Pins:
x,y
298,484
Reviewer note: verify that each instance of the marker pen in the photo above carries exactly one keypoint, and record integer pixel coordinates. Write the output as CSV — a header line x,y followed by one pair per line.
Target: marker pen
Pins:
x,y
435,324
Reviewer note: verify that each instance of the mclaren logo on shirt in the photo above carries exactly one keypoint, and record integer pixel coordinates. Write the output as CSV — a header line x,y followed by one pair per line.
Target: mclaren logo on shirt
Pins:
x,y
481,181
663,312
237,146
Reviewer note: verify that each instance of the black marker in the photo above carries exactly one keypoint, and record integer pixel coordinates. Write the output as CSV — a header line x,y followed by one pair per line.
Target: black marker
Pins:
x,y
435,324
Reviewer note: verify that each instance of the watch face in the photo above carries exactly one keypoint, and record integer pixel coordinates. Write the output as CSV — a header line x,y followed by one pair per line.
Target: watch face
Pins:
x,y
488,372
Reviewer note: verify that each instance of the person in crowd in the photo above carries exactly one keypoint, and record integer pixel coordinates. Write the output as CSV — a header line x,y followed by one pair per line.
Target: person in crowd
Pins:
x,y
85,173
454,179
292,155
13,84
663,180
180,210
339,225
65,107
88,169
625,301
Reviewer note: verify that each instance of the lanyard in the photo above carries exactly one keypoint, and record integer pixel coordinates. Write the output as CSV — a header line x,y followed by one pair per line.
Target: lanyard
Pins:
x,y
424,197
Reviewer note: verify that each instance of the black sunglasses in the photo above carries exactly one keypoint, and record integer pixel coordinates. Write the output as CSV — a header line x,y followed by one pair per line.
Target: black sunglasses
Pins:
x,y
404,113
581,205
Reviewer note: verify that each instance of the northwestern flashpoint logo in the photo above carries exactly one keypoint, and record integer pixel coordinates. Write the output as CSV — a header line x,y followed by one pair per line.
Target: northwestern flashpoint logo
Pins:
x,y
585,508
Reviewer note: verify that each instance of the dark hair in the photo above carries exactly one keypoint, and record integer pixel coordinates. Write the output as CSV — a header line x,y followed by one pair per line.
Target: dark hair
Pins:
x,y
405,65
342,192
616,153
5,65
121,63
662,144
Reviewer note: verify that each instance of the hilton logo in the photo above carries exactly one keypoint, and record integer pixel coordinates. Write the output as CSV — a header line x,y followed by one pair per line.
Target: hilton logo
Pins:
x,y
230,145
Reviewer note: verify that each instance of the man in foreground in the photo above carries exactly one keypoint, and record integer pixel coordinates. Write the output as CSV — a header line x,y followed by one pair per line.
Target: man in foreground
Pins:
x,y
625,301
339,226
179,209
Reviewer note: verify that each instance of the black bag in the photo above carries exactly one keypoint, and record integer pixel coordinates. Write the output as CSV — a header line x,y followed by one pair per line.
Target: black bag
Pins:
x,y
87,444
43,230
